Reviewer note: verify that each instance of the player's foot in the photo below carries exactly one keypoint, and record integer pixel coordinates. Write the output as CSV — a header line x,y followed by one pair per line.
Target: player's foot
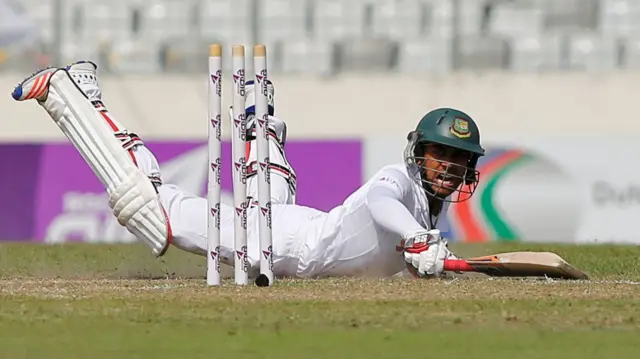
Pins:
x,y
277,127
35,86
83,73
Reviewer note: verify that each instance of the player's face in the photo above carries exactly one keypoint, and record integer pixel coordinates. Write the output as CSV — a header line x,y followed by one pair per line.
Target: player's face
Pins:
x,y
445,168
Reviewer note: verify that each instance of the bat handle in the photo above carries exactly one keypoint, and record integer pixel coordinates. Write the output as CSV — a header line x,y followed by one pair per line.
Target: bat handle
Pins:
x,y
457,265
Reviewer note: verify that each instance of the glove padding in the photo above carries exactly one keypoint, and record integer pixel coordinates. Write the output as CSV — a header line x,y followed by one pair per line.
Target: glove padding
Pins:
x,y
426,252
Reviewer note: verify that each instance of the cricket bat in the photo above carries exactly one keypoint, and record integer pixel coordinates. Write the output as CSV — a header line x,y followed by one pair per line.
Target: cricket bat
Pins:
x,y
517,264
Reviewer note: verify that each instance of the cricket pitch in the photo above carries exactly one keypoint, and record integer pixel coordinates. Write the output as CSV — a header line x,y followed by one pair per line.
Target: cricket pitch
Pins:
x,y
99,301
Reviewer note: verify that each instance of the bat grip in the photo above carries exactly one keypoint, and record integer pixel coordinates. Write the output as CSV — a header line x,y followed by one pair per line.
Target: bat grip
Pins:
x,y
457,265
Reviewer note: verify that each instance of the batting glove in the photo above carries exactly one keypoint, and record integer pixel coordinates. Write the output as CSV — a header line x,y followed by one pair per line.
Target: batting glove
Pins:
x,y
426,251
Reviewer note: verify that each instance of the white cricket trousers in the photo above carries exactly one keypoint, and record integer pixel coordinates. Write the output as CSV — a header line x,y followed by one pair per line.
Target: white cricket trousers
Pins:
x,y
188,213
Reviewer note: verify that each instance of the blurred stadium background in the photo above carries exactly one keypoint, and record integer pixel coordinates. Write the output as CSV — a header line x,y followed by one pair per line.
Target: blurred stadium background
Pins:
x,y
326,37
546,80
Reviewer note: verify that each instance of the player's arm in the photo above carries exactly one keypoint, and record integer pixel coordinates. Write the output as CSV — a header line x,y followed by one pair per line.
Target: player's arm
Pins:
x,y
424,250
385,200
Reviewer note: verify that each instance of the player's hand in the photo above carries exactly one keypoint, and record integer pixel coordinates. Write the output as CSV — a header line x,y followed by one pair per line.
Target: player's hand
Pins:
x,y
426,251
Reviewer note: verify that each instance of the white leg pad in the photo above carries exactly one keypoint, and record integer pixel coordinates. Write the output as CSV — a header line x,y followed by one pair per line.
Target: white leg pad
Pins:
x,y
136,205
132,196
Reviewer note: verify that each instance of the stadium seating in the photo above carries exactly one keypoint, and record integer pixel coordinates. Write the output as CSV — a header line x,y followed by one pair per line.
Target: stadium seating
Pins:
x,y
328,36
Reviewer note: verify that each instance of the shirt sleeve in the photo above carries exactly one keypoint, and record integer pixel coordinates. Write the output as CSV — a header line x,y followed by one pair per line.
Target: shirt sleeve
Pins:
x,y
386,203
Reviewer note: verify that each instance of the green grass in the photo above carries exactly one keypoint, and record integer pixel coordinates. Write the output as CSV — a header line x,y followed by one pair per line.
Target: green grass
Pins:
x,y
97,301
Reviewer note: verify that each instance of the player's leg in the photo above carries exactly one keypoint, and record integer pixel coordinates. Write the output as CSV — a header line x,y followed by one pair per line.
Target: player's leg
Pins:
x,y
185,217
282,174
106,148
188,211
99,144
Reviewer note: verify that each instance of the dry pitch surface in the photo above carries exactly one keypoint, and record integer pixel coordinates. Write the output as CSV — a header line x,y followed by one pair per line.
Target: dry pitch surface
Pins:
x,y
94,301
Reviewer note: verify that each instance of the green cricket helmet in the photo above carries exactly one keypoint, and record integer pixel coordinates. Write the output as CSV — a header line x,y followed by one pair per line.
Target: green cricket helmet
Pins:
x,y
452,128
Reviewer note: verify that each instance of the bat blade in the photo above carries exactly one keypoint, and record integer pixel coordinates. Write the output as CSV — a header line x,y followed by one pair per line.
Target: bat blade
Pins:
x,y
518,264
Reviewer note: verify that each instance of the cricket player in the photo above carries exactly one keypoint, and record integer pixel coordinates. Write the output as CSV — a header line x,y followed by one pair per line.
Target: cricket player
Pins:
x,y
387,225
